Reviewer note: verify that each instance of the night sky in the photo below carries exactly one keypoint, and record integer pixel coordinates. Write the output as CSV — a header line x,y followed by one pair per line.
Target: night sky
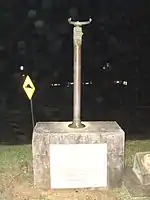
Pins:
x,y
36,35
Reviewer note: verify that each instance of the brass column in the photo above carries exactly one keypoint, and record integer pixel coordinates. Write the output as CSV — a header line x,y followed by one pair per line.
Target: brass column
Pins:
x,y
77,41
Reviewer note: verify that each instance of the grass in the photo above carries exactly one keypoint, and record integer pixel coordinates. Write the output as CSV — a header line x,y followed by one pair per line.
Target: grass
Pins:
x,y
16,176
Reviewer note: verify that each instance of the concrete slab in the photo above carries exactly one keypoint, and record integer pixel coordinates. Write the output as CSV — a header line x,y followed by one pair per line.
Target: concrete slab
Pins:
x,y
46,134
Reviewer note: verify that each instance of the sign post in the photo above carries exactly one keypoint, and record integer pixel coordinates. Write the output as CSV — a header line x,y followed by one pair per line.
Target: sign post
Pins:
x,y
29,89
32,115
77,41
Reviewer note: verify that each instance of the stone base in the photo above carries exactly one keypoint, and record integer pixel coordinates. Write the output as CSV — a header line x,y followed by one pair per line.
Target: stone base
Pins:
x,y
48,133
133,185
141,167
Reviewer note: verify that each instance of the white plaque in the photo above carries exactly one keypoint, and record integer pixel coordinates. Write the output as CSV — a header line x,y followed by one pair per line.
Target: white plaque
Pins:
x,y
78,165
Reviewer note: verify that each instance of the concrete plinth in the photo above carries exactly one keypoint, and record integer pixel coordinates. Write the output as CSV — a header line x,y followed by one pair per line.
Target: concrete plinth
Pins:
x,y
141,167
49,133
134,186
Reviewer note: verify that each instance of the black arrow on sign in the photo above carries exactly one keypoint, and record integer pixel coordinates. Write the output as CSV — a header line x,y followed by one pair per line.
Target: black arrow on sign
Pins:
x,y
28,86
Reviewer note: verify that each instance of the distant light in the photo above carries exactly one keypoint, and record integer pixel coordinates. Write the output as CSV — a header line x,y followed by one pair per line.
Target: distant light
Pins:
x,y
108,65
23,75
87,83
117,82
125,83
21,68
55,84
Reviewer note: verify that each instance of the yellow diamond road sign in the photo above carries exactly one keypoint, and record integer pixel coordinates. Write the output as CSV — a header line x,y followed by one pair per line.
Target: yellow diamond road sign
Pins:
x,y
28,87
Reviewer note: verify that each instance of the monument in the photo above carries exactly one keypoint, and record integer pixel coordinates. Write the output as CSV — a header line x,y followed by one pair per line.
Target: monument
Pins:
x,y
79,154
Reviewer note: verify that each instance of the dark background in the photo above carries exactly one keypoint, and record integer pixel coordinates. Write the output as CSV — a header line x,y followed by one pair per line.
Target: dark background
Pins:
x,y
115,63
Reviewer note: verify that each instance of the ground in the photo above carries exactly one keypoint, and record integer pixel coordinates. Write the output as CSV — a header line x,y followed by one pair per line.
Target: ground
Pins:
x,y
16,176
